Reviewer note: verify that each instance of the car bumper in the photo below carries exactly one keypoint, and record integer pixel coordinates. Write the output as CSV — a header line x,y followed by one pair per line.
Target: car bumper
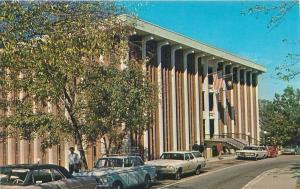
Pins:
x,y
165,171
246,156
102,187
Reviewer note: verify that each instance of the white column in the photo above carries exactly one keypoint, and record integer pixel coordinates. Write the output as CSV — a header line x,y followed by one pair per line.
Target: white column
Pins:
x,y
22,141
231,105
224,101
35,140
66,152
10,141
197,99
144,54
251,107
186,102
206,97
215,102
246,104
160,103
239,101
257,109
174,102
50,151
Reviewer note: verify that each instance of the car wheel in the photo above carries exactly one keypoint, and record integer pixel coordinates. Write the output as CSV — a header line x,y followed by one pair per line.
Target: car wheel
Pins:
x,y
147,182
117,185
178,174
255,159
198,170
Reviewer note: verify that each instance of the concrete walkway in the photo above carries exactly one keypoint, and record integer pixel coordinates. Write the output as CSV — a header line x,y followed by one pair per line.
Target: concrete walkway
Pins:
x,y
223,157
274,179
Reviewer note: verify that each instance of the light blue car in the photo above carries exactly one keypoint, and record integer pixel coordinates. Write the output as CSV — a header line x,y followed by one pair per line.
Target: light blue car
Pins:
x,y
121,172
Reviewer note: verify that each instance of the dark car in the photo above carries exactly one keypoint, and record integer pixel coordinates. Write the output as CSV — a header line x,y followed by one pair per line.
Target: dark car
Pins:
x,y
41,176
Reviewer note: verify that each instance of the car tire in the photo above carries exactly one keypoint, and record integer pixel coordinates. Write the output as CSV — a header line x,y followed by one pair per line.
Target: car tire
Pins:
x,y
178,174
147,182
198,170
117,185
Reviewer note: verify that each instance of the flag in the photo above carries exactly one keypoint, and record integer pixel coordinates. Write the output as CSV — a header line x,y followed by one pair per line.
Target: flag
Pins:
x,y
218,81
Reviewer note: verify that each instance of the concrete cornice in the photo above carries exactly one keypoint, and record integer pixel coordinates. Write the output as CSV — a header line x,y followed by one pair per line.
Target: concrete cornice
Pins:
x,y
146,28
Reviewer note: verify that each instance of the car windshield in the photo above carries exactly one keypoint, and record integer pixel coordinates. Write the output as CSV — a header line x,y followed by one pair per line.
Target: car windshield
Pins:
x,y
175,156
197,154
12,176
109,162
250,148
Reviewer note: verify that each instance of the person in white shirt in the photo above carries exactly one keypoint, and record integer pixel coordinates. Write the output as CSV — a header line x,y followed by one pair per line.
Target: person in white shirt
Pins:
x,y
74,161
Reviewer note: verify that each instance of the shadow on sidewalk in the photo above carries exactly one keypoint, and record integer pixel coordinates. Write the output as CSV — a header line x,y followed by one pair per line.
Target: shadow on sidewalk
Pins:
x,y
295,167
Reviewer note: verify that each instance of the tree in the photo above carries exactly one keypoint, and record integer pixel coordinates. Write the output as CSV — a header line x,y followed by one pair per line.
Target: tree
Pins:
x,y
67,55
291,67
280,117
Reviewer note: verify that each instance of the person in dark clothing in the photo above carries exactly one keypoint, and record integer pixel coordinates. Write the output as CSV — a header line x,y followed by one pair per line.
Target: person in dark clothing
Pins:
x,y
196,147
201,148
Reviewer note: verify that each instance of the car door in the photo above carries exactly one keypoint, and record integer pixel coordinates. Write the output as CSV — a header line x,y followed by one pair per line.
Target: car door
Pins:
x,y
193,163
186,164
133,179
139,170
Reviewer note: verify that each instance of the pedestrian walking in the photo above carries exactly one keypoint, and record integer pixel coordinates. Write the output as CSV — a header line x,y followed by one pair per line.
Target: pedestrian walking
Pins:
x,y
74,161
219,150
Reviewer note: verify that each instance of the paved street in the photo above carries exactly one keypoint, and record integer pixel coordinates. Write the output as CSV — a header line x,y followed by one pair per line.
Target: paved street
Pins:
x,y
230,174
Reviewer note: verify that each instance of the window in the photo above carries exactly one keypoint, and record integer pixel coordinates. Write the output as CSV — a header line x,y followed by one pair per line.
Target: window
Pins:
x,y
175,156
12,176
41,176
197,154
128,162
186,156
191,156
138,161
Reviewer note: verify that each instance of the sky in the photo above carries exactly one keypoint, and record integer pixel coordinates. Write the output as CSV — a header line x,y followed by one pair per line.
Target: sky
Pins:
x,y
221,24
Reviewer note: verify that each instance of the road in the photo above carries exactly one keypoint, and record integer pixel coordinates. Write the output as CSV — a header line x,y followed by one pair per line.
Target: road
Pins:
x,y
228,174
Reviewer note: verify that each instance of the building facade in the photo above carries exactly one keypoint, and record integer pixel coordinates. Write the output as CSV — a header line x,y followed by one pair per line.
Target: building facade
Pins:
x,y
204,94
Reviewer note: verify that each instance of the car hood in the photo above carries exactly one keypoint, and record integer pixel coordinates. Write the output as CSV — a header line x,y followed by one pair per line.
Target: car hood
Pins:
x,y
98,172
165,162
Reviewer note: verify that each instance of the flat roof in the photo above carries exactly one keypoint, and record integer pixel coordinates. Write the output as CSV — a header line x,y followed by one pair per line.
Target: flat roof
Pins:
x,y
145,27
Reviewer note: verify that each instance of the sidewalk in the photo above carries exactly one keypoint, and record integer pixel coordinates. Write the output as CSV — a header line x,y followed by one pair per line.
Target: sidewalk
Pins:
x,y
223,157
274,179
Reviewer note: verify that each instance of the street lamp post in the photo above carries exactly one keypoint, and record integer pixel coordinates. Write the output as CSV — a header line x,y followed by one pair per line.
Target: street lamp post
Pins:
x,y
265,134
249,137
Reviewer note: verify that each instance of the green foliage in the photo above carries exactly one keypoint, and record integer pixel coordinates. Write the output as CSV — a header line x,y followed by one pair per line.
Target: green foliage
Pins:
x,y
68,55
281,117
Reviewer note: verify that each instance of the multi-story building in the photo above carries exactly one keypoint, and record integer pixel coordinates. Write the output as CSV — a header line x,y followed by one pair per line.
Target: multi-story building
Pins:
x,y
204,94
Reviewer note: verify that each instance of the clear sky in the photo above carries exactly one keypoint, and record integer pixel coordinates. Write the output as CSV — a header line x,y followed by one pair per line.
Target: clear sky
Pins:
x,y
221,24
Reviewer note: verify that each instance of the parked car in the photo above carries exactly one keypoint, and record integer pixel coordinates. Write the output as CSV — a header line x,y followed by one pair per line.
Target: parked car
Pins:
x,y
289,151
252,152
120,172
199,157
177,163
37,176
272,151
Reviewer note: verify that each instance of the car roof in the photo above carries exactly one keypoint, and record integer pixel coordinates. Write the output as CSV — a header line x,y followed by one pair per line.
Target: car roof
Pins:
x,y
179,152
118,157
31,166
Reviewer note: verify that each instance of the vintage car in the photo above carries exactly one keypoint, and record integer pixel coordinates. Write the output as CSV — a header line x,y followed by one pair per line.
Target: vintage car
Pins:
x,y
177,163
38,176
272,151
120,172
289,151
252,152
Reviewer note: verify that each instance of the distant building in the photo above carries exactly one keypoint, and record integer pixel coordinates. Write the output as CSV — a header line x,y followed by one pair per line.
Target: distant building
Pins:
x,y
205,94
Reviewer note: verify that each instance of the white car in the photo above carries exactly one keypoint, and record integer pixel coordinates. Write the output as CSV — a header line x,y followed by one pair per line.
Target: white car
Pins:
x,y
120,172
252,152
177,163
